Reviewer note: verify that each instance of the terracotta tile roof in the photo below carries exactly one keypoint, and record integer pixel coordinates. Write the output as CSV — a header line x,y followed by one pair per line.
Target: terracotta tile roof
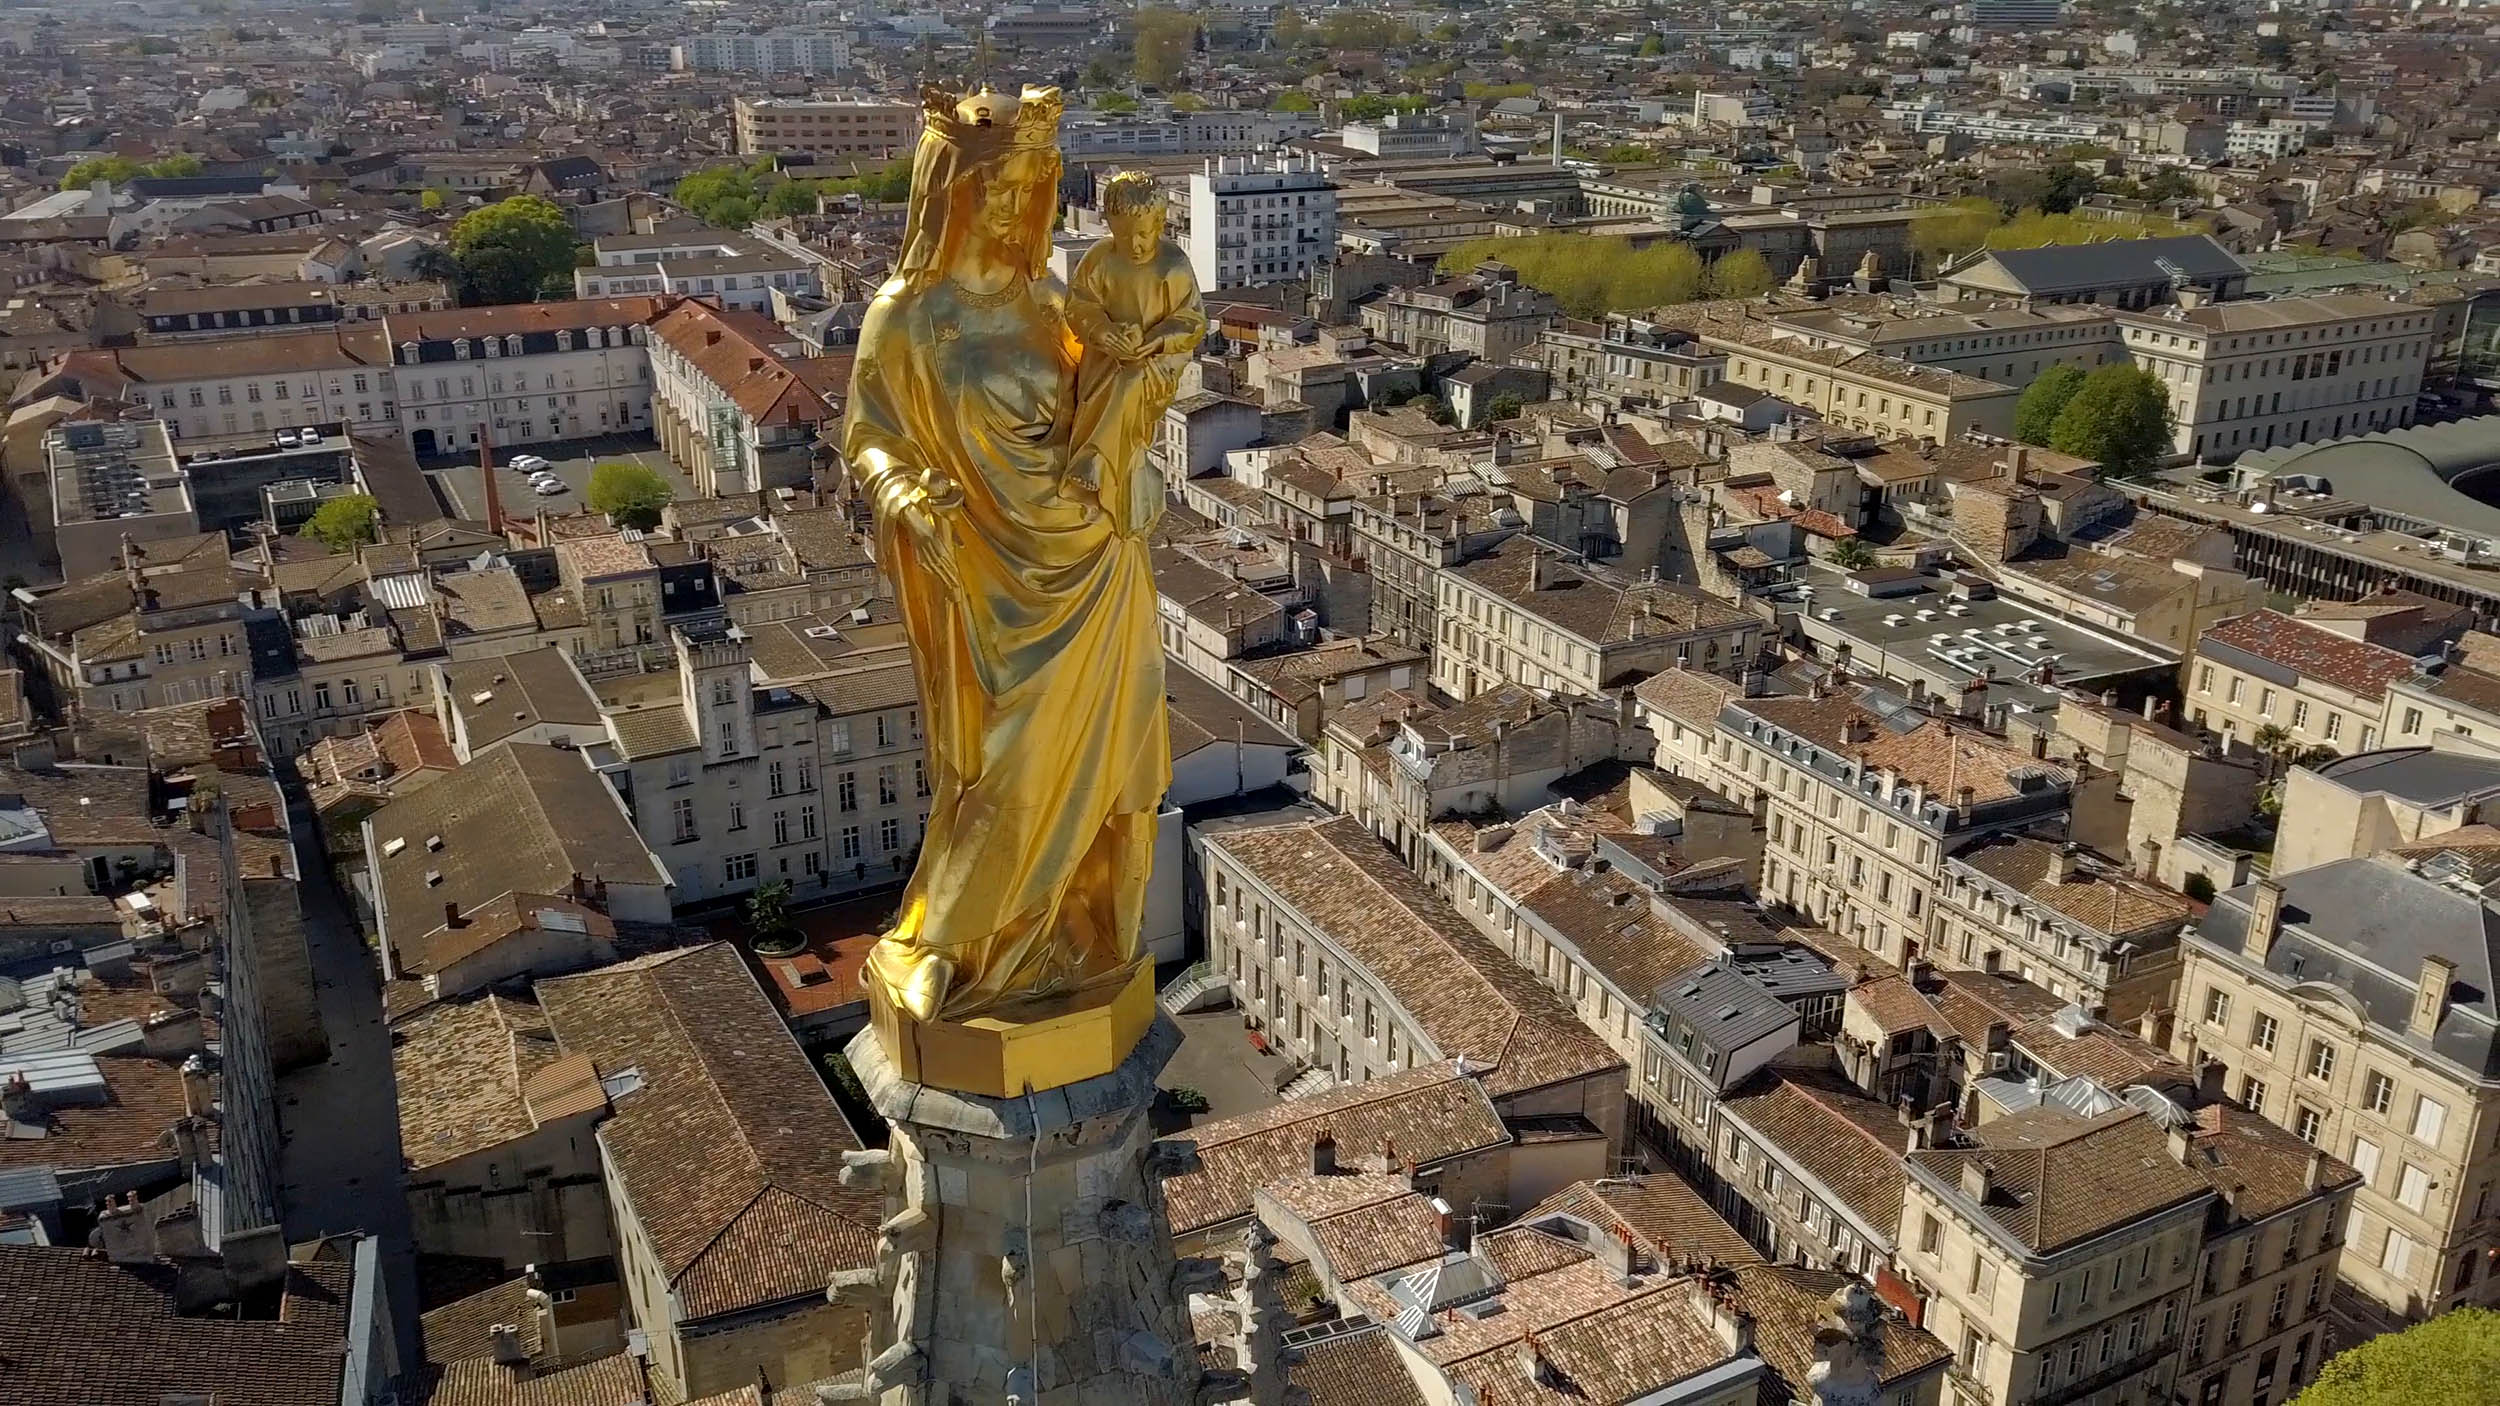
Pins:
x,y
1665,1215
1787,1303
1971,1001
82,1329
733,350
1895,1005
1593,605
1469,998
2100,1052
2258,1167
2313,652
2057,1177
614,1380
1431,1114
1355,1369
462,1067
1607,916
730,1150
1365,1223
465,1327
1849,1143
1940,755
502,321
2093,893
143,1097
1692,697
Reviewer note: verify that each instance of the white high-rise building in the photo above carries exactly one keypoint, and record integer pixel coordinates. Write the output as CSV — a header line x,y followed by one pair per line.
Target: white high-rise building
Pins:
x,y
771,53
1255,220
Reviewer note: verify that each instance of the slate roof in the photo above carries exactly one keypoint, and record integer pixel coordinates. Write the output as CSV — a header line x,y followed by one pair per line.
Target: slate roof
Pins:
x,y
730,1150
2356,931
2069,268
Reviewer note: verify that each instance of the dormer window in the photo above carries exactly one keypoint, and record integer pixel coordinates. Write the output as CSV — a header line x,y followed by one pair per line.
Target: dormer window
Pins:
x,y
512,346
493,347
564,340
408,353
460,349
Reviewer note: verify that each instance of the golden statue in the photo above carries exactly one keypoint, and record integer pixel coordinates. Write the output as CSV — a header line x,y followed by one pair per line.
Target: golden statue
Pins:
x,y
1000,429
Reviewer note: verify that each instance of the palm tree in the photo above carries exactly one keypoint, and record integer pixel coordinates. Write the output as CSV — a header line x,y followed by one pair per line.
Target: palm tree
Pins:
x,y
1852,554
2275,741
768,918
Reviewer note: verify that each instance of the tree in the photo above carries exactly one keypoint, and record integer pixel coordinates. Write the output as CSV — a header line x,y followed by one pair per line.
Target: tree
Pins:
x,y
174,166
1653,46
2119,417
1294,100
513,250
1505,406
1188,102
1943,232
768,918
791,198
1164,39
628,493
2199,888
1433,406
2035,415
345,522
120,170
1115,103
1743,274
2451,1358
1852,554
1290,30
1588,275
430,200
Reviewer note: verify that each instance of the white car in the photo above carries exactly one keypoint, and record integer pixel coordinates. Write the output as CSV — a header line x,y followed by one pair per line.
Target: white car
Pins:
x,y
311,438
288,439
529,463
547,487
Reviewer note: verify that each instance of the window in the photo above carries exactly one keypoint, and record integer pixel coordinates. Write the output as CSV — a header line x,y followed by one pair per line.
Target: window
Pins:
x,y
2217,1006
886,782
2334,726
2261,1032
2413,1186
807,776
2365,1159
682,810
2300,713
2253,1093
2396,1256
850,842
781,827
2378,1092
737,815
2308,1124
807,822
773,779
2428,1118
738,867
1930,1233
889,834
2321,1060
1983,1279
846,790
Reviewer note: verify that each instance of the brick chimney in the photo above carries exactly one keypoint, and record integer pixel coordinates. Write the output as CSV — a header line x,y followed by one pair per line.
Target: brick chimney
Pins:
x,y
2430,995
2265,919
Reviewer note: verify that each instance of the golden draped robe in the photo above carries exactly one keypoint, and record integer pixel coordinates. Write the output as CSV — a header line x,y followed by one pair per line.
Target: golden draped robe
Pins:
x,y
1040,666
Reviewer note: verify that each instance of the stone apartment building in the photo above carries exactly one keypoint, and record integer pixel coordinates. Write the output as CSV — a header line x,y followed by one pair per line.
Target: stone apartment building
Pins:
x,y
166,628
1530,614
881,130
1488,314
529,373
736,402
1866,799
2351,1004
2258,1328
2073,923
2266,672
2257,373
239,387
1346,961
2057,1253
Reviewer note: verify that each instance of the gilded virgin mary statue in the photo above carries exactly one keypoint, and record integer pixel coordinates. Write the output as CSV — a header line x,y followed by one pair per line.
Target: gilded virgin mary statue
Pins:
x,y
1029,604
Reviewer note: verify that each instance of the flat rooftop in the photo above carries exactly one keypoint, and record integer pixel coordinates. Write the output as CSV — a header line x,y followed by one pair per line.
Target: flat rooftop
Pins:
x,y
1928,635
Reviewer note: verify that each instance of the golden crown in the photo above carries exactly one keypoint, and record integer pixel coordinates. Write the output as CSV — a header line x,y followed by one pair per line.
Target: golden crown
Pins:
x,y
987,124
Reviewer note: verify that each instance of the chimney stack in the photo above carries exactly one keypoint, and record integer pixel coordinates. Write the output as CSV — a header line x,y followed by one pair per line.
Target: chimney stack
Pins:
x,y
2265,919
2430,995
508,1350
1324,1154
1978,1179
199,1093
1619,1258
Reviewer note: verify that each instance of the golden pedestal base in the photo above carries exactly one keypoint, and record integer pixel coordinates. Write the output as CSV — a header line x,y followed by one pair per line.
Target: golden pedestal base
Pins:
x,y
1034,1044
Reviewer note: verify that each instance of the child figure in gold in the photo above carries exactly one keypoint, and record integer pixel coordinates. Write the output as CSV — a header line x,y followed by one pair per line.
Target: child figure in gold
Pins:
x,y
1134,304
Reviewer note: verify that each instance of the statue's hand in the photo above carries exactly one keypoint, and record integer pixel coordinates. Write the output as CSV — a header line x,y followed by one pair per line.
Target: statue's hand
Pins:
x,y
922,507
1122,343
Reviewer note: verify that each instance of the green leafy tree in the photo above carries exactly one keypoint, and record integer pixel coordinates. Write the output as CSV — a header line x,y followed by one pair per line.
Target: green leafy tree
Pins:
x,y
513,250
1653,46
2035,415
430,200
174,166
345,522
791,198
1115,103
1433,406
1294,100
768,918
2119,417
1164,39
1947,231
2453,1358
1743,274
120,170
1590,276
1188,102
628,493
1290,30
1852,554
1364,32
1505,406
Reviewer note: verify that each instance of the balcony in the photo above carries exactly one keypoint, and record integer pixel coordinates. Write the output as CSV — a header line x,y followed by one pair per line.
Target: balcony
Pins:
x,y
2115,1372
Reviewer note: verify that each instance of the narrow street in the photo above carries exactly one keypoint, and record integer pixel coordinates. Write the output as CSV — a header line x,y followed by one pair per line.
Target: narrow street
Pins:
x,y
341,1117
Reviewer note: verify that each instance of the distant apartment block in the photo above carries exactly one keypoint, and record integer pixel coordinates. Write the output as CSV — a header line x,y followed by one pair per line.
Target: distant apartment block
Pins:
x,y
870,129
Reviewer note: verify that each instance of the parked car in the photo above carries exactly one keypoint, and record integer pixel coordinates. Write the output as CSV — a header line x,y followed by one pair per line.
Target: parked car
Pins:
x,y
289,439
547,487
311,438
527,463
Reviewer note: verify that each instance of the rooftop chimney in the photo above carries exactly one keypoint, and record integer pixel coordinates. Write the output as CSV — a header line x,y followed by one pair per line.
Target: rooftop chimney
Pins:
x,y
1619,1257
508,1350
199,1093
1978,1179
1324,1154
2265,919
2430,995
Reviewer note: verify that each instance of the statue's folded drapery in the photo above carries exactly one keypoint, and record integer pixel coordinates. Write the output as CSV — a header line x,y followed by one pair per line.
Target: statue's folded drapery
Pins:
x,y
1035,641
